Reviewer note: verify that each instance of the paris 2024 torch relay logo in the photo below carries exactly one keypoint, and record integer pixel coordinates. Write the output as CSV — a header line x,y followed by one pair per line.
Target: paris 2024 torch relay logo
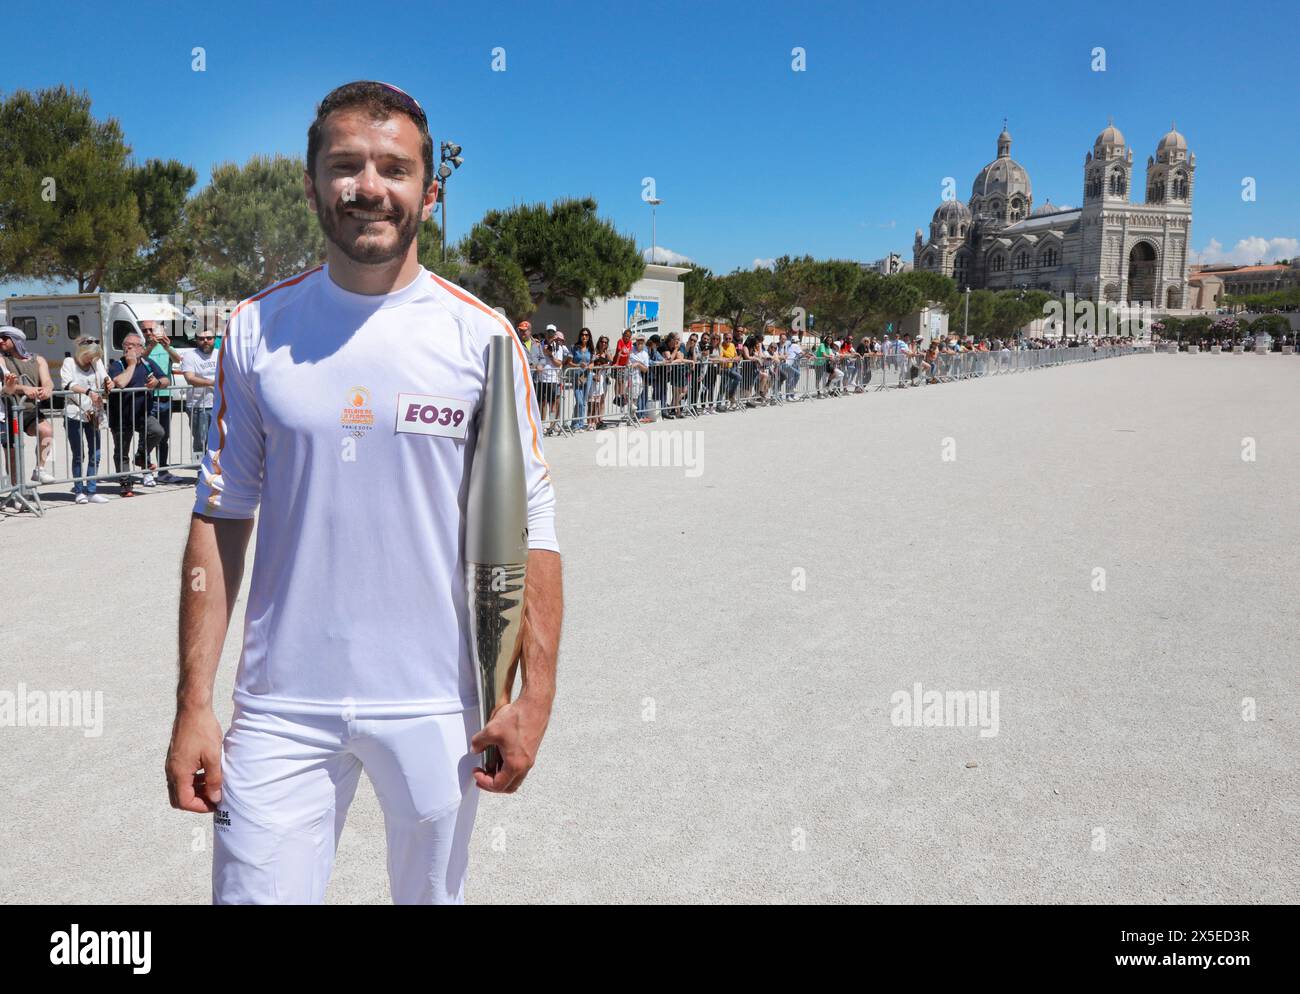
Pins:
x,y
358,416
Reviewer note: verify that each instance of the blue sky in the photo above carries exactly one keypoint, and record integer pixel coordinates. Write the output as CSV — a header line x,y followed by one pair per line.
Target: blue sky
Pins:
x,y
752,159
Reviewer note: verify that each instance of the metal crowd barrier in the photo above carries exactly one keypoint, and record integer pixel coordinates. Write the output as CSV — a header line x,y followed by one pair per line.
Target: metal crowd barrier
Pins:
x,y
116,449
574,400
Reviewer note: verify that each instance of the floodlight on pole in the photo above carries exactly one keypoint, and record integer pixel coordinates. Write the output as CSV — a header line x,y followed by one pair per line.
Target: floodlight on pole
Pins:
x,y
653,202
449,160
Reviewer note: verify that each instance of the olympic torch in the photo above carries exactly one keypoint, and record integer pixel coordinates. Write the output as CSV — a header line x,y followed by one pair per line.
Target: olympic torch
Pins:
x,y
496,540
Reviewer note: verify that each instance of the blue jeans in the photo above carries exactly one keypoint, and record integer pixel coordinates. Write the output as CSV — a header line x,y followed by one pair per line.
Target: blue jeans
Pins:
x,y
791,377
730,382
200,421
580,407
77,432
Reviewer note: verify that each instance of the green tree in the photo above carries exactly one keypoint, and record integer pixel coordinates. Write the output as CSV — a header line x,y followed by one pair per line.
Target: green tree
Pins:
x,y
1197,329
163,262
1270,324
429,252
1012,310
252,227
738,294
565,251
68,211
840,293
775,292
897,299
981,321
1273,300
702,296
935,288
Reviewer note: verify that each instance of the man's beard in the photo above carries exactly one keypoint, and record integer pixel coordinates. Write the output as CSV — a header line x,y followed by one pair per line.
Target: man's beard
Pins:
x,y
367,252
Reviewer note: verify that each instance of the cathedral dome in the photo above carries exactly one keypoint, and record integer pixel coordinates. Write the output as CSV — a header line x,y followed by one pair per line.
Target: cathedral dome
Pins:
x,y
951,211
951,219
1005,176
1050,208
1002,177
1173,140
1111,136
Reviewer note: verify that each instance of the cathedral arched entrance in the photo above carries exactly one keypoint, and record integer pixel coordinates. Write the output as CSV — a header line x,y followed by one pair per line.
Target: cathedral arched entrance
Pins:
x,y
1142,273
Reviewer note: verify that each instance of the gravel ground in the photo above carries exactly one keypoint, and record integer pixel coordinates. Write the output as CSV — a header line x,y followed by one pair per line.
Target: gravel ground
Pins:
x,y
726,728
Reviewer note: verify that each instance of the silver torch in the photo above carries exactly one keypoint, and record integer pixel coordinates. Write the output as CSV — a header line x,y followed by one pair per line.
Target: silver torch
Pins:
x,y
496,540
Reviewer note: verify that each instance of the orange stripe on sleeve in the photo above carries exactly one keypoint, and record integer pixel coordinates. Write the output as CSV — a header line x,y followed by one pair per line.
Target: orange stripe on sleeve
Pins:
x,y
457,292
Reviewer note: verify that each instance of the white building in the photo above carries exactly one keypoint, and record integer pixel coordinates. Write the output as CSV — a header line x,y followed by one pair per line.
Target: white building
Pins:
x,y
890,265
656,302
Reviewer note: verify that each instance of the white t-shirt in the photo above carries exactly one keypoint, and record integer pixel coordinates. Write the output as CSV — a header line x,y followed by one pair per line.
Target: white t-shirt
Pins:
x,y
358,588
205,366
552,361
71,375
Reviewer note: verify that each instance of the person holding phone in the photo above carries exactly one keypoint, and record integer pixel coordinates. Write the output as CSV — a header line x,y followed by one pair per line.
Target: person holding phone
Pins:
x,y
130,383
83,376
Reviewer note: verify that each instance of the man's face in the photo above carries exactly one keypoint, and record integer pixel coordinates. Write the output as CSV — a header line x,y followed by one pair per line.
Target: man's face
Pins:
x,y
148,329
133,347
368,189
206,341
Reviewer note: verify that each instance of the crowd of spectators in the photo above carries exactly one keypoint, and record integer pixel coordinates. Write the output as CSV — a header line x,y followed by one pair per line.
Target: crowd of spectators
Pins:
x,y
645,377
132,397
583,386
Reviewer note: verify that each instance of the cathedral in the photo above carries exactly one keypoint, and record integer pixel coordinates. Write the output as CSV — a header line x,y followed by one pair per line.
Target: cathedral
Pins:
x,y
1109,249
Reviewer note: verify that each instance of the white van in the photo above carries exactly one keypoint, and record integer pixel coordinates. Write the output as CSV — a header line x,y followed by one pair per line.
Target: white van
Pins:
x,y
53,323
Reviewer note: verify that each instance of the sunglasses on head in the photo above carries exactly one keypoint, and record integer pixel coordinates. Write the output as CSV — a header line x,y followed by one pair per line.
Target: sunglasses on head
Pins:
x,y
407,101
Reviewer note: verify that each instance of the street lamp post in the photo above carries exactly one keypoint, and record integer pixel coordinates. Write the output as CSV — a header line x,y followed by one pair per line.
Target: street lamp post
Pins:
x,y
653,202
449,160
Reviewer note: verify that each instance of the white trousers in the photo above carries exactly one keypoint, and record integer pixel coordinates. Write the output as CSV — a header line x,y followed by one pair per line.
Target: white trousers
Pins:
x,y
287,782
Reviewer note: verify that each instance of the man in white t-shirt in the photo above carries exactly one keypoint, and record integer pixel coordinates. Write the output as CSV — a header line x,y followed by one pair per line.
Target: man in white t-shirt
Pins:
x,y
793,359
199,369
347,402
550,357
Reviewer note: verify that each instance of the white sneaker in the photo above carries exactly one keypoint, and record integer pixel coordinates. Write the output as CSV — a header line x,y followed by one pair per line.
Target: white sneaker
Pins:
x,y
82,499
42,475
166,476
97,499
148,480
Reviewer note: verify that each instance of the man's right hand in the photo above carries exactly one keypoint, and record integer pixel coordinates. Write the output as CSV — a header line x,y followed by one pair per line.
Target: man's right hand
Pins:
x,y
193,764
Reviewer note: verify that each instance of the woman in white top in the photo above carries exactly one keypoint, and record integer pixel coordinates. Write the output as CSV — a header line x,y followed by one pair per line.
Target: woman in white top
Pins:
x,y
638,365
83,410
